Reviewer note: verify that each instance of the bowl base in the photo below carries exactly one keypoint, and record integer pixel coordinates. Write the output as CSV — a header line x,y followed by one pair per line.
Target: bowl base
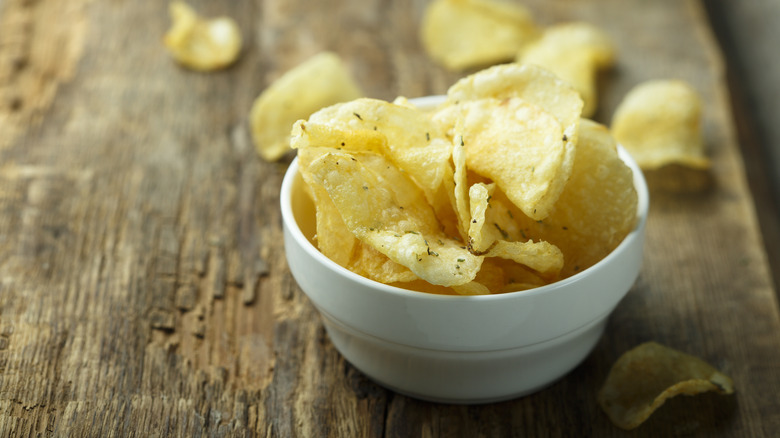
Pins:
x,y
464,377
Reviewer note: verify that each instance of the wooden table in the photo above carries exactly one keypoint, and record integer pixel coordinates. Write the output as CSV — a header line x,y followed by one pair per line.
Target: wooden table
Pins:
x,y
143,285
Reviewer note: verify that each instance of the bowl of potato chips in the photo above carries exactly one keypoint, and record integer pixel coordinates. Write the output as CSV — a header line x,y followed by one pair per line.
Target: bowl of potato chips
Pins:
x,y
465,248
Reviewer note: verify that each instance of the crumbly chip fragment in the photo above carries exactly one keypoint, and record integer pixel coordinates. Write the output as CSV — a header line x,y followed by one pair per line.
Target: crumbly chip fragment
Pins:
x,y
467,33
575,52
320,81
659,123
643,379
201,44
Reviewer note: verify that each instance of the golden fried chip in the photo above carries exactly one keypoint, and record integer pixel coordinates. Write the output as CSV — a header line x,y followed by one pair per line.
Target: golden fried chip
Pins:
x,y
307,134
543,257
537,87
468,33
414,143
320,81
480,237
643,378
574,52
337,242
493,241
201,44
520,147
528,82
471,288
491,275
376,211
659,123
597,207
461,189
325,138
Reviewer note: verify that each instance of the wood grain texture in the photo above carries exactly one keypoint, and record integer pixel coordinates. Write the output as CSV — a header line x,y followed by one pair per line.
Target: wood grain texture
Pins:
x,y
143,285
747,31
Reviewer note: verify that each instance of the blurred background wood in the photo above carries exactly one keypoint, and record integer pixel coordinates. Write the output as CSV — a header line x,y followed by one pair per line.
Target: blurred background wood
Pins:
x,y
143,285
748,34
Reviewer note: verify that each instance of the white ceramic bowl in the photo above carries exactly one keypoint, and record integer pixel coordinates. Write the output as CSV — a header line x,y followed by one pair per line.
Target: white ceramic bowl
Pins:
x,y
459,349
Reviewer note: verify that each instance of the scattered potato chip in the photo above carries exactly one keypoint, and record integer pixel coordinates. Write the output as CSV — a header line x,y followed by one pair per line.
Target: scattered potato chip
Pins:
x,y
643,378
409,234
201,44
574,52
468,33
659,123
320,81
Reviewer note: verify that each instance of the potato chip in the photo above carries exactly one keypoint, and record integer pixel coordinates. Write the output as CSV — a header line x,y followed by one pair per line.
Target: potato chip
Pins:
x,y
528,82
494,241
320,81
307,134
488,193
491,275
480,237
659,123
444,205
537,87
374,210
337,242
467,33
643,378
461,189
543,257
315,139
520,147
597,207
574,52
471,288
491,219
201,44
414,143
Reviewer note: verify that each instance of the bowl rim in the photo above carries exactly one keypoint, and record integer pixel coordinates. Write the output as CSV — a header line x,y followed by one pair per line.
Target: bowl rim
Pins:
x,y
288,219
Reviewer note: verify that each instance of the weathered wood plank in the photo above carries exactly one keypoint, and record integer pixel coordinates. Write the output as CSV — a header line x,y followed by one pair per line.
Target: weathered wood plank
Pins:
x,y
143,285
748,32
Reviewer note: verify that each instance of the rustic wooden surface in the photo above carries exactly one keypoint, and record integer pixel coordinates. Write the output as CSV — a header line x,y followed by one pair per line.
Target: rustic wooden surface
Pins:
x,y
143,285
